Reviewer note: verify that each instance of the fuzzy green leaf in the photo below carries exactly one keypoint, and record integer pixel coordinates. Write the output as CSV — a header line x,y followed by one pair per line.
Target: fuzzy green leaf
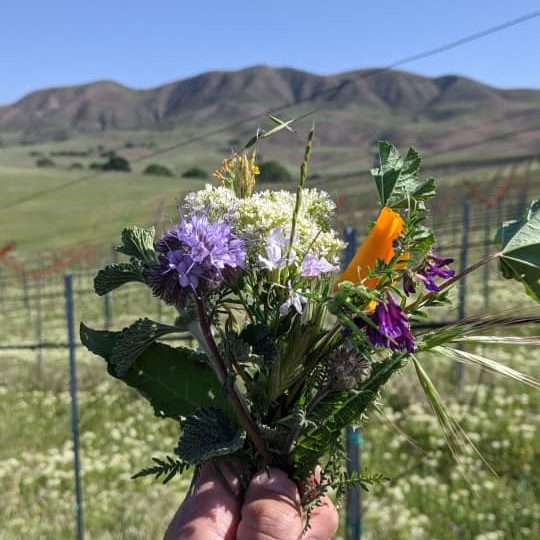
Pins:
x,y
116,275
134,340
206,434
139,244
173,379
520,259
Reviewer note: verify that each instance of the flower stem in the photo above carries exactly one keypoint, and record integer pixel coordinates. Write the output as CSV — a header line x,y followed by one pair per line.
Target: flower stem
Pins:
x,y
237,400
449,282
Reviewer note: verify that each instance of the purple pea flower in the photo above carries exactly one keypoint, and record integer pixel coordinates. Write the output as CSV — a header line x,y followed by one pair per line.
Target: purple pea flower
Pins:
x,y
393,330
195,255
434,267
313,266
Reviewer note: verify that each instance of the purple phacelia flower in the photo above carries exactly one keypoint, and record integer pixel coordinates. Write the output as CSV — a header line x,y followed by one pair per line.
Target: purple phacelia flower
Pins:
x,y
195,256
313,266
393,330
434,267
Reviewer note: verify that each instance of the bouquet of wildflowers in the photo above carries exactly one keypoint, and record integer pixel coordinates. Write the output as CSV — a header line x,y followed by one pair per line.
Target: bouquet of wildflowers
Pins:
x,y
290,349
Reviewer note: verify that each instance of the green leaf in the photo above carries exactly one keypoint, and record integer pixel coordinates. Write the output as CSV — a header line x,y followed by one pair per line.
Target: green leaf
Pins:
x,y
116,275
397,179
206,434
99,342
337,411
139,244
520,259
173,379
134,340
260,338
390,167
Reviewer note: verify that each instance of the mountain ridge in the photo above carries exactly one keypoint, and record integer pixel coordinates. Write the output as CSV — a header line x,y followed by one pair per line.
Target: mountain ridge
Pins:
x,y
354,104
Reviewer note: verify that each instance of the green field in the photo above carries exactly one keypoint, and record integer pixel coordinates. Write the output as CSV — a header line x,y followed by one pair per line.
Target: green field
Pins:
x,y
427,498
70,208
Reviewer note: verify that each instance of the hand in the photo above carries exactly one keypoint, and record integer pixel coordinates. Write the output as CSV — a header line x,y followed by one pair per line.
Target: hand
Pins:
x,y
270,510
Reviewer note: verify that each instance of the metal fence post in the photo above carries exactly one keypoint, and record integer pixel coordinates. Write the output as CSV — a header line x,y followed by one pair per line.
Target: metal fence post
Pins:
x,y
487,235
107,311
462,298
354,437
39,351
68,291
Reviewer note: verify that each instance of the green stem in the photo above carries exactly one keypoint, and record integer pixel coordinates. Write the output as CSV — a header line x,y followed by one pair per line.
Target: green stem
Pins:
x,y
237,400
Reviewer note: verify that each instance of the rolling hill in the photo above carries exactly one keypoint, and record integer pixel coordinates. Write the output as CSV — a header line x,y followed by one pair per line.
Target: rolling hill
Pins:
x,y
353,109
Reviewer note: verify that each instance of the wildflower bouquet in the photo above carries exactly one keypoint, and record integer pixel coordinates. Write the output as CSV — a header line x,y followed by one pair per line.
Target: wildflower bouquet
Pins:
x,y
290,350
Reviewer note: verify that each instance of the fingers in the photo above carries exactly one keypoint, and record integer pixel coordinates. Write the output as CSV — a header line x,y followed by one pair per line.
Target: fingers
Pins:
x,y
324,521
211,512
271,509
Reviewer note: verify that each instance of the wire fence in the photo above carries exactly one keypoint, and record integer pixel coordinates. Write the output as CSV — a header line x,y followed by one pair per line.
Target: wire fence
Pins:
x,y
39,309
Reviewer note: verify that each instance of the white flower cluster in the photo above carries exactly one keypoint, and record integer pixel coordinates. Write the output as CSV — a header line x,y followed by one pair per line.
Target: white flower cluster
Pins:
x,y
255,217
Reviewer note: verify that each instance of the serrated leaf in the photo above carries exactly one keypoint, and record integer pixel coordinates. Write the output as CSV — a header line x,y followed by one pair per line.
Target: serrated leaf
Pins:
x,y
134,340
115,275
397,179
520,259
173,379
139,243
99,342
259,337
336,411
206,434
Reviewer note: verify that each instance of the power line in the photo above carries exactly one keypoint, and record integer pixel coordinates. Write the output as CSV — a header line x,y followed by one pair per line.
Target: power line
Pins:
x,y
364,75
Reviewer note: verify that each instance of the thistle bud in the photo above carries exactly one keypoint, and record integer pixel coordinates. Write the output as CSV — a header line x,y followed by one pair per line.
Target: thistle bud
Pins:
x,y
347,368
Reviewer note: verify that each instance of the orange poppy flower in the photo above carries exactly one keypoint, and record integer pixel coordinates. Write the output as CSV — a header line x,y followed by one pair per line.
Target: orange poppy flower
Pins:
x,y
377,246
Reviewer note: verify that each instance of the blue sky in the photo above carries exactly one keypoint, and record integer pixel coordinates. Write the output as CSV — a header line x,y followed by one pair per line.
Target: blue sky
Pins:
x,y
146,43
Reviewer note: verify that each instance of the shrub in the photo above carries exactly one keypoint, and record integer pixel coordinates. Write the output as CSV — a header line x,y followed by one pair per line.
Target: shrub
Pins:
x,y
195,172
75,166
273,171
116,163
157,170
45,162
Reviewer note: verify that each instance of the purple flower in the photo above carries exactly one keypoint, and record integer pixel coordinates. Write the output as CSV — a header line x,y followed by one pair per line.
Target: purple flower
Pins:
x,y
295,299
313,266
434,268
194,255
393,330
277,245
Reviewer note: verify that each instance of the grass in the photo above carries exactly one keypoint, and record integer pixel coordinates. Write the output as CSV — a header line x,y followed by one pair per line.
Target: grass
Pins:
x,y
427,498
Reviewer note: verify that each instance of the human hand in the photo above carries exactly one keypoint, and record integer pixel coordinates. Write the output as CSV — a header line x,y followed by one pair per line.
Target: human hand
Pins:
x,y
270,510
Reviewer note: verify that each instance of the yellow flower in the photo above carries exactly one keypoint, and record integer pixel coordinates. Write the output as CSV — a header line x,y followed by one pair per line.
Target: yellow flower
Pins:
x,y
238,173
377,246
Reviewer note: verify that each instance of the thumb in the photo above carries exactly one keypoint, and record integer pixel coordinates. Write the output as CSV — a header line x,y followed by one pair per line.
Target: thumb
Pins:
x,y
272,509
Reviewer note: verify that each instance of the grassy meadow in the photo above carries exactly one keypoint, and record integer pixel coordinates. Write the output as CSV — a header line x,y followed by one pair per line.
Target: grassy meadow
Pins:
x,y
428,497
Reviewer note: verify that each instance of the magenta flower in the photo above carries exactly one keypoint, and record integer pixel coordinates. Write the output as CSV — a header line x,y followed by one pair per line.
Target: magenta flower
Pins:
x,y
195,256
393,330
434,267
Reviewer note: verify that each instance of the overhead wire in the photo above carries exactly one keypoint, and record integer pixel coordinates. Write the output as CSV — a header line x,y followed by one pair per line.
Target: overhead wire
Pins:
x,y
363,75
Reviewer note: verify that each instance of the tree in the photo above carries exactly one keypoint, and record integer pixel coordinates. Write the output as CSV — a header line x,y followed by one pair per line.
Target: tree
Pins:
x,y
116,163
273,171
195,172
45,162
157,170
